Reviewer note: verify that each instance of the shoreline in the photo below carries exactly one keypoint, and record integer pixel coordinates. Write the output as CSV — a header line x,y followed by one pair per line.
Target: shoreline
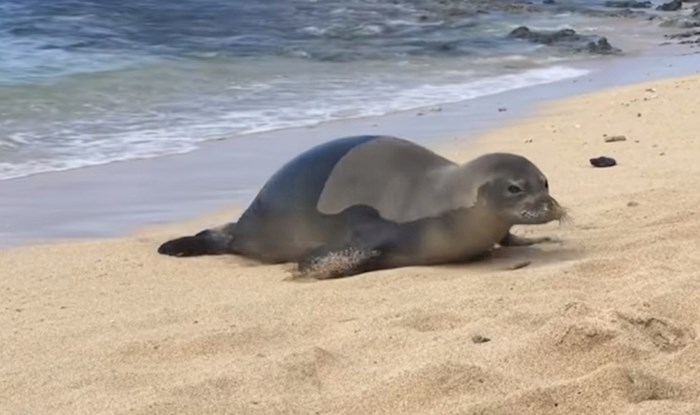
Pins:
x,y
118,198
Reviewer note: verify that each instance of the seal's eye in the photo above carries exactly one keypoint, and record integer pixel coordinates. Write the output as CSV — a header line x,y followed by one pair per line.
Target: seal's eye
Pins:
x,y
546,184
513,189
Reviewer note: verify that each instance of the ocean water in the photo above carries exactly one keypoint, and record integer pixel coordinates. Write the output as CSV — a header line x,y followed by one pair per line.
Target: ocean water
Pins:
x,y
88,82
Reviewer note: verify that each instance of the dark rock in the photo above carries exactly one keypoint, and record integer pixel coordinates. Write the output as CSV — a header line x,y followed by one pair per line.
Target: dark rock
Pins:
x,y
568,38
601,47
480,339
689,37
671,6
682,22
684,35
688,21
543,37
628,4
549,2
621,13
603,161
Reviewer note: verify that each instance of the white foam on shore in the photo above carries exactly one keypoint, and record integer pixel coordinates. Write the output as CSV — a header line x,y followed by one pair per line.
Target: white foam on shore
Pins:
x,y
383,99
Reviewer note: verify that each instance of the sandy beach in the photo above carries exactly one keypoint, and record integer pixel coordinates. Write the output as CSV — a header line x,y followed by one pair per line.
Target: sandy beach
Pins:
x,y
605,322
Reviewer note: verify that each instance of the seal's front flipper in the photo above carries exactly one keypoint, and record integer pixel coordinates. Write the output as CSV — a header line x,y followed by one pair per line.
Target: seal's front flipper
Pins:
x,y
207,242
329,262
514,240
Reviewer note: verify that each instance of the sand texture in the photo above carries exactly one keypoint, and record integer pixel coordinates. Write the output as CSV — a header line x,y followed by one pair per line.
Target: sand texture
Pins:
x,y
605,322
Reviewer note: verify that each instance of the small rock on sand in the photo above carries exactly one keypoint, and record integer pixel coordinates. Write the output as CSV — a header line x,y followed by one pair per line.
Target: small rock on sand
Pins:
x,y
521,264
480,339
615,138
603,161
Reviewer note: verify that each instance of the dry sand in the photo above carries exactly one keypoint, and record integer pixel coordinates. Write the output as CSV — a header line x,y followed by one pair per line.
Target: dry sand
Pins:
x,y
604,323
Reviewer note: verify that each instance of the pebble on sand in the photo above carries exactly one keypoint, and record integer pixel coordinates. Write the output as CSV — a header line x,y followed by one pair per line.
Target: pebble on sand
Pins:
x,y
615,138
603,161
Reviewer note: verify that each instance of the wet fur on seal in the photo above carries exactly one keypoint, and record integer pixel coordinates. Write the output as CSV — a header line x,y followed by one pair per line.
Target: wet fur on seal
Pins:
x,y
364,203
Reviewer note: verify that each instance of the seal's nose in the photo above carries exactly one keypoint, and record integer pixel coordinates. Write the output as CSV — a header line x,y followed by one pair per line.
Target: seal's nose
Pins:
x,y
547,208
553,209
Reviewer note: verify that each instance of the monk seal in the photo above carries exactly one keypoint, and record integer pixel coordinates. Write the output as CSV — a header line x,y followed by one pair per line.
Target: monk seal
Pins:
x,y
371,202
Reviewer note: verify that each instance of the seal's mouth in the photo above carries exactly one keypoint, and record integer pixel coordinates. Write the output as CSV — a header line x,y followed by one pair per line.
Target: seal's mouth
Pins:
x,y
544,211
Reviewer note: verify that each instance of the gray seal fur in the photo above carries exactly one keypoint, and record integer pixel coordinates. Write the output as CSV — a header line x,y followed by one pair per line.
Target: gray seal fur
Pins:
x,y
364,203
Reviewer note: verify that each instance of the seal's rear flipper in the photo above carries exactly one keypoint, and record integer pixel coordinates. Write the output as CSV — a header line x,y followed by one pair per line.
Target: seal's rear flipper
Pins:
x,y
207,242
326,262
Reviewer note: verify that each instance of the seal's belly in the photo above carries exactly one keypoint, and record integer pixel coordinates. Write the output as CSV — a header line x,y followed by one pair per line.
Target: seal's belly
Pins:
x,y
445,244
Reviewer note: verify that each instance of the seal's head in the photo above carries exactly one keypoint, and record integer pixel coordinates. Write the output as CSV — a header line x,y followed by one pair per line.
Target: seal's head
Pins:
x,y
517,190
